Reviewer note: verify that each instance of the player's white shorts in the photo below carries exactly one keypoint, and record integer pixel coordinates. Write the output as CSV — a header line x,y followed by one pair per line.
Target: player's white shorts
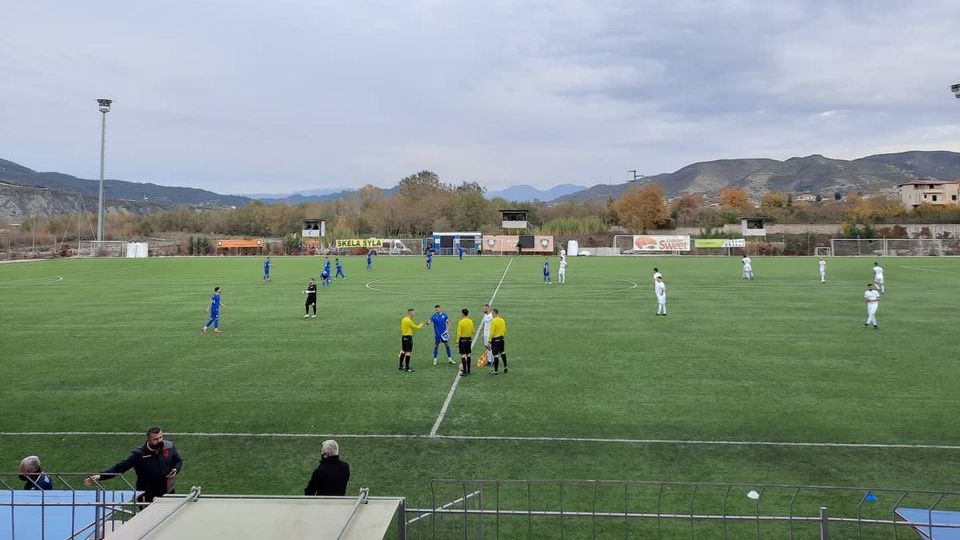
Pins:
x,y
661,299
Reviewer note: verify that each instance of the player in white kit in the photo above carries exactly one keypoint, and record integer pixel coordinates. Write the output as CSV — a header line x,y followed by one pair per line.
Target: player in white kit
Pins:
x,y
878,277
562,273
872,297
823,270
661,291
747,268
485,325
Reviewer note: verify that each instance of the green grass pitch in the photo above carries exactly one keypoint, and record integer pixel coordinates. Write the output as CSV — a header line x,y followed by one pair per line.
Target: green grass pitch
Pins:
x,y
115,346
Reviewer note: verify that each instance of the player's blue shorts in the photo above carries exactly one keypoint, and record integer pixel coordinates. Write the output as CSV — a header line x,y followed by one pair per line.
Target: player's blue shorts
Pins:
x,y
441,338
214,314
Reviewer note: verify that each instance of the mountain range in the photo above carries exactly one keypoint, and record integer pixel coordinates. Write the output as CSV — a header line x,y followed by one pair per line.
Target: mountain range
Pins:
x,y
117,190
814,174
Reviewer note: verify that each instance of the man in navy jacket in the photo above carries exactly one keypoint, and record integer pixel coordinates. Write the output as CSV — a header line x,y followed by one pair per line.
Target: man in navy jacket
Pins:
x,y
156,463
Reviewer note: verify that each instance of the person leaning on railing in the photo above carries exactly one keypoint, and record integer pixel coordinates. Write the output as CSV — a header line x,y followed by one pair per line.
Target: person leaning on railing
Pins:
x,y
32,474
156,462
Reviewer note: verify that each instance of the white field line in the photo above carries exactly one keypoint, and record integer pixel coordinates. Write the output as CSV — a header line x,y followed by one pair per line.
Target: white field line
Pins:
x,y
456,377
509,438
444,507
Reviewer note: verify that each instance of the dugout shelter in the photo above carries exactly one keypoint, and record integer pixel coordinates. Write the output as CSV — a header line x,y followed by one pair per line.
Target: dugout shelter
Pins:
x,y
246,246
446,243
214,517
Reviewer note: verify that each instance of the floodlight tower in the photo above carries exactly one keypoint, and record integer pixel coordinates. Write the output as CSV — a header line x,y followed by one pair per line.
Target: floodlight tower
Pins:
x,y
104,109
955,88
636,177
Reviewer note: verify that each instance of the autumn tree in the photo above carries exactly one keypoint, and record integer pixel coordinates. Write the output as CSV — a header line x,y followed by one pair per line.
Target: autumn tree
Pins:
x,y
773,200
642,207
735,199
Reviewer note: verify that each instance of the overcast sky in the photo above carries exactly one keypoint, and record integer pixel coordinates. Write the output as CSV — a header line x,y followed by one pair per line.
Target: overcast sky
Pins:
x,y
280,95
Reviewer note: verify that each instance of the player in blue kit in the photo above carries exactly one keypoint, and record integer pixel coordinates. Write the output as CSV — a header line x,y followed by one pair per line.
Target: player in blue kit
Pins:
x,y
460,252
546,272
440,321
429,258
369,261
215,304
325,278
339,266
266,270
326,265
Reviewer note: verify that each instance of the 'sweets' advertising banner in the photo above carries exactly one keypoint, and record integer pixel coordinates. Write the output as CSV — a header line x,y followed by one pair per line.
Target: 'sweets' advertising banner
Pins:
x,y
661,243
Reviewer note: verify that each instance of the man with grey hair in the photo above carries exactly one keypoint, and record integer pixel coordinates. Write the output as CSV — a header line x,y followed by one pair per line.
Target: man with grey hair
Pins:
x,y
32,474
331,475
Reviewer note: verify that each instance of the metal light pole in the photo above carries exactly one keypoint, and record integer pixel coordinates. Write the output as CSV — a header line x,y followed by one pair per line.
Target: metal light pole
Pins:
x,y
104,109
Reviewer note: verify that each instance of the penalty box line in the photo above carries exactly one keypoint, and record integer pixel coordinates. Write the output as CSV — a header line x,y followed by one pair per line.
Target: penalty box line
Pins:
x,y
456,377
493,438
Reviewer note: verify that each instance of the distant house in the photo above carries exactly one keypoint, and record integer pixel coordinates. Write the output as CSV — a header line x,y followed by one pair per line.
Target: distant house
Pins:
x,y
806,197
928,191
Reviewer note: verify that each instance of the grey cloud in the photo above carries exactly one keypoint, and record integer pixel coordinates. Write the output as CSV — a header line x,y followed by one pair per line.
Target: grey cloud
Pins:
x,y
232,95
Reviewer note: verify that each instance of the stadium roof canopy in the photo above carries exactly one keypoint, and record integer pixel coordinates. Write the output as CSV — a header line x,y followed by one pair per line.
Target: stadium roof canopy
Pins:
x,y
237,517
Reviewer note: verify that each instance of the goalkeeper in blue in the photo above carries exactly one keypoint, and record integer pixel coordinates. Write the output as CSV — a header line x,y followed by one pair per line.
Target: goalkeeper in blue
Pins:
x,y
429,258
440,322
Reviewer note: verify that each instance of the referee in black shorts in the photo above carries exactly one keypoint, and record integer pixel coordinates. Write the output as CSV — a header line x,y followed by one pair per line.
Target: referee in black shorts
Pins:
x,y
465,341
407,328
498,329
311,298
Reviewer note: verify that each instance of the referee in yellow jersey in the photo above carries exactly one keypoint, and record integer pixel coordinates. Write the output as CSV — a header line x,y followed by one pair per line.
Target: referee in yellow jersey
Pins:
x,y
498,329
407,328
465,341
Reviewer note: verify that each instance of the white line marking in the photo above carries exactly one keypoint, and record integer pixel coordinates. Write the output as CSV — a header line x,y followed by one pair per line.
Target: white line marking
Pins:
x,y
444,507
511,438
456,377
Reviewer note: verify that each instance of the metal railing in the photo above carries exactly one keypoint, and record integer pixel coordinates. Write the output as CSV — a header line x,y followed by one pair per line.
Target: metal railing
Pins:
x,y
647,509
109,504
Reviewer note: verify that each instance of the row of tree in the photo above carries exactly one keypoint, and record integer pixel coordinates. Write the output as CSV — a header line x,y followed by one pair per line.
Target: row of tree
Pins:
x,y
421,203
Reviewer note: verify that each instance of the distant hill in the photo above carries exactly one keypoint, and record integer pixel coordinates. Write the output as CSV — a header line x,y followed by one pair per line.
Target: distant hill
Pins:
x,y
19,203
299,197
117,190
322,192
527,193
812,174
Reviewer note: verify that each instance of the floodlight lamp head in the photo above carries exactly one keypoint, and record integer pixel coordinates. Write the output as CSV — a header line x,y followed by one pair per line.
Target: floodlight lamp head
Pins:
x,y
955,88
104,105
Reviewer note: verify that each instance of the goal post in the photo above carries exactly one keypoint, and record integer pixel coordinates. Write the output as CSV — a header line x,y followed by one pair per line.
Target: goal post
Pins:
x,y
823,251
103,248
886,247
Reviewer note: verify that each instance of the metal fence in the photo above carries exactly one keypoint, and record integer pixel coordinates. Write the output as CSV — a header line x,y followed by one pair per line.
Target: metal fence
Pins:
x,y
888,247
475,509
112,502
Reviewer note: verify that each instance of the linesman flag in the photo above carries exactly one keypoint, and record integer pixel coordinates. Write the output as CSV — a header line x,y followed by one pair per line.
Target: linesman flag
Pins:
x,y
482,361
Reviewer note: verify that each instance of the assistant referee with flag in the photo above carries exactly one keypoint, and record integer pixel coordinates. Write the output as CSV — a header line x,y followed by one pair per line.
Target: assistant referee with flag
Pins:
x,y
498,329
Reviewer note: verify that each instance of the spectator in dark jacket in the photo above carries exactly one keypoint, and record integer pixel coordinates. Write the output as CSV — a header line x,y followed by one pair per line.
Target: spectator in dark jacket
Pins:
x,y
331,475
156,462
32,474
